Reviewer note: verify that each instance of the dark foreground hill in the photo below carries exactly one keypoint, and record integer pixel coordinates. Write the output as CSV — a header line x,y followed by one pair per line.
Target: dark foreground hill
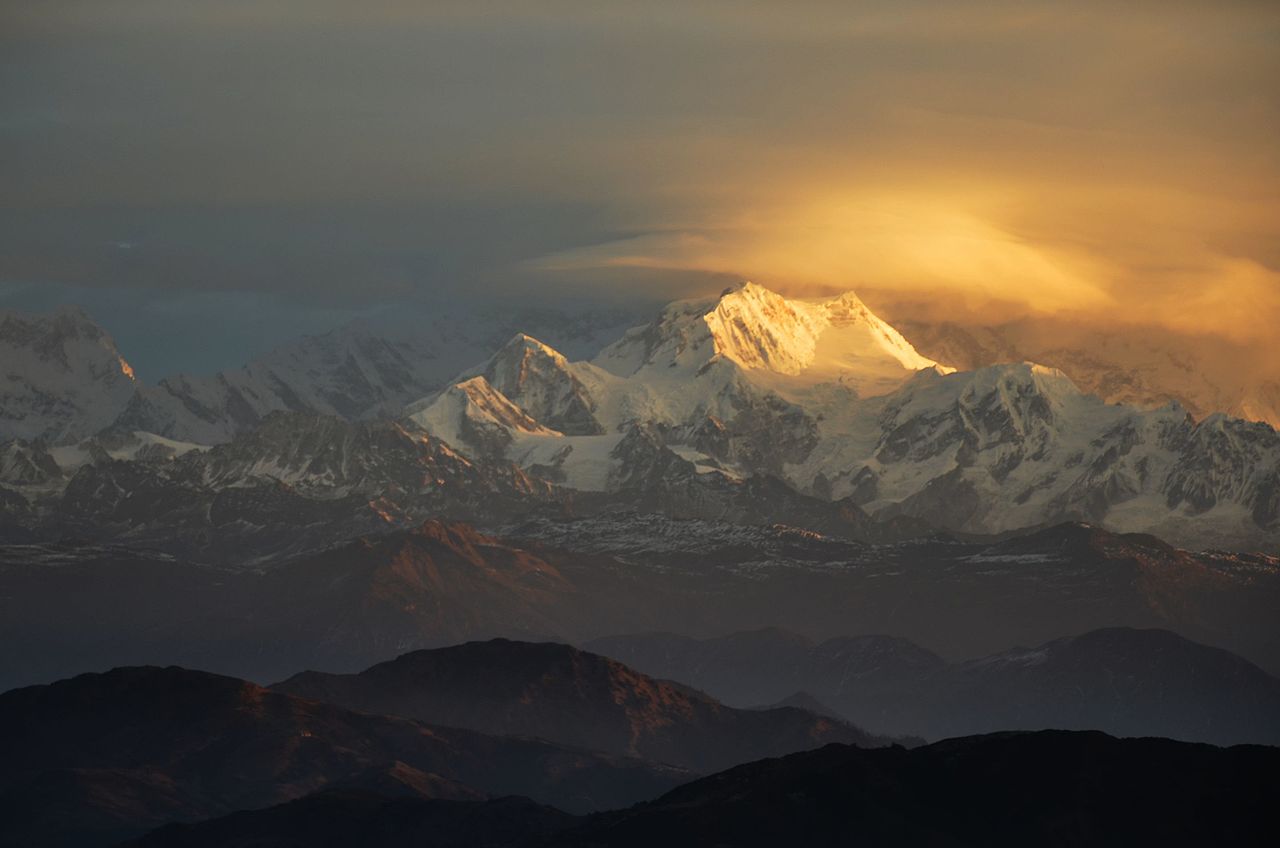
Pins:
x,y
339,819
1050,788
102,757
572,697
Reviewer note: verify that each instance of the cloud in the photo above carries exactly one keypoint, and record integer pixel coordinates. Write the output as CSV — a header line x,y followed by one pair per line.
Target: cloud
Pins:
x,y
982,160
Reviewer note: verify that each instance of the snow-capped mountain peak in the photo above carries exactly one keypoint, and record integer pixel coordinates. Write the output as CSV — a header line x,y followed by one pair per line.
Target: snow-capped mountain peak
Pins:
x,y
523,346
729,403
474,413
850,316
760,330
543,383
61,376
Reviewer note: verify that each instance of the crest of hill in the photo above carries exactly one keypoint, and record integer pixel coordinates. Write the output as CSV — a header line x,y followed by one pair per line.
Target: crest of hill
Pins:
x,y
573,697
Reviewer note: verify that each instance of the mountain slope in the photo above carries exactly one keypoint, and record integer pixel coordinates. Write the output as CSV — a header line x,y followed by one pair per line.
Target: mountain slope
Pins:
x,y
705,374
104,756
539,379
65,608
574,698
1048,788
361,371
296,482
61,377
826,339
770,665
341,818
349,373
1010,789
437,584
68,606
1146,367
827,397
712,410
1125,682
1122,681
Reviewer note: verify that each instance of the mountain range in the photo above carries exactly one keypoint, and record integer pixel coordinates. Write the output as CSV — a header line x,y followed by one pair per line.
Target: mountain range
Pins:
x,y
1122,681
70,606
1146,368
572,697
1048,788
171,756
106,756
101,757
830,399
64,380
749,406
338,818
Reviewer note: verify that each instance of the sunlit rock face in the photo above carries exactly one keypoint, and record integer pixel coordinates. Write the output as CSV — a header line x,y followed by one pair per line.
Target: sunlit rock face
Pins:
x,y
834,338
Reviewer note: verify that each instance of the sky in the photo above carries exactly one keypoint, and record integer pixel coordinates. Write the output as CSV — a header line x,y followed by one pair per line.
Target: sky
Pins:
x,y
217,176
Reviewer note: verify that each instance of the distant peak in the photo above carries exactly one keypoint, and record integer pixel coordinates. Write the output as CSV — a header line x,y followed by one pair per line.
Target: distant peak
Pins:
x,y
831,338
760,328
747,290
522,343
64,319
483,401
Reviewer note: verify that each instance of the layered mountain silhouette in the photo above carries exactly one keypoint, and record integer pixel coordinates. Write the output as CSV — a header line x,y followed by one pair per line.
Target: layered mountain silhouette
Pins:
x,y
105,756
101,757
69,607
572,697
778,469
1048,788
342,818
1123,681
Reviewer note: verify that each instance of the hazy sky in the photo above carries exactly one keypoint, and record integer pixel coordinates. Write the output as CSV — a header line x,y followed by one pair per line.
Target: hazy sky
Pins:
x,y
313,160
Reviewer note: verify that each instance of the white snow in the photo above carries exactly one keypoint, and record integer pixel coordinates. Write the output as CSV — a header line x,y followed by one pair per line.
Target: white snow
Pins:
x,y
70,457
1027,443
585,461
827,339
61,377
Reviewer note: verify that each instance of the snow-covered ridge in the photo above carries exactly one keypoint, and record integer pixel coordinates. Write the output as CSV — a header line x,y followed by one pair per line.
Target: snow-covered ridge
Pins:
x,y
61,376
541,380
826,396
718,408
62,379
350,372
1148,370
731,383
831,338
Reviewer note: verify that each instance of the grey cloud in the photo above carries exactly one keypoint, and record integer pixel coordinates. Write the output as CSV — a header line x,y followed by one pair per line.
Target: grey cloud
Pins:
x,y
372,150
